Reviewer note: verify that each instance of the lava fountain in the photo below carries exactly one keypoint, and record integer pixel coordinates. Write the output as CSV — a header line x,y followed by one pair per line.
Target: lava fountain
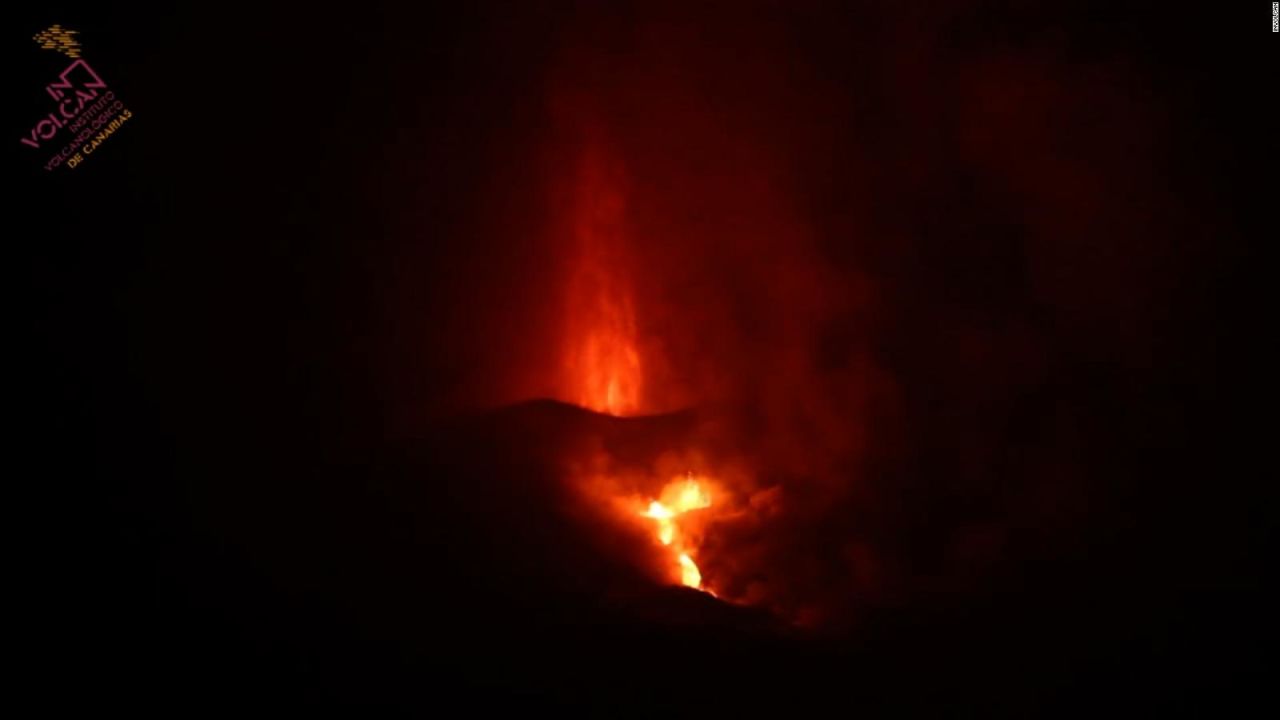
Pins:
x,y
603,359
602,356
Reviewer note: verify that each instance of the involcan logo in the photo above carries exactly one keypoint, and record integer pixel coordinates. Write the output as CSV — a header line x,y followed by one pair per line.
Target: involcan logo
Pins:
x,y
83,113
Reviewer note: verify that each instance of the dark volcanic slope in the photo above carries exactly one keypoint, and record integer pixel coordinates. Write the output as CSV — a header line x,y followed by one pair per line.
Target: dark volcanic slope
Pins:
x,y
461,565
457,569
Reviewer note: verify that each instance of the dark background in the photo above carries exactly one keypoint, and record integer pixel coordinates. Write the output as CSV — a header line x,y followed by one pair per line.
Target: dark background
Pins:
x,y
219,406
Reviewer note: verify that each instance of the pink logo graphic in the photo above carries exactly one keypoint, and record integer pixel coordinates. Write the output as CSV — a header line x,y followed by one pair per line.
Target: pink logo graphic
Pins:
x,y
76,87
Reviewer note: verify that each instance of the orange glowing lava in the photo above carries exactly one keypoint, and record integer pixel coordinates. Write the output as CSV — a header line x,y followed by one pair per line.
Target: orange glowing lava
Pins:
x,y
677,498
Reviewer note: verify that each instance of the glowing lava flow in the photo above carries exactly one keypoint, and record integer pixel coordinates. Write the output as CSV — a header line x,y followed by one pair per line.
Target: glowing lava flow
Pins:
x,y
680,497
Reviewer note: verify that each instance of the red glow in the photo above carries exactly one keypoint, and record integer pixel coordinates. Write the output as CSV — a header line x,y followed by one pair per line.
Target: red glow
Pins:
x,y
687,279
603,365
602,356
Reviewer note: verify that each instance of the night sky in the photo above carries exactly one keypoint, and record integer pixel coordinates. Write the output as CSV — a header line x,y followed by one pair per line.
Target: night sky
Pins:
x,y
961,288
